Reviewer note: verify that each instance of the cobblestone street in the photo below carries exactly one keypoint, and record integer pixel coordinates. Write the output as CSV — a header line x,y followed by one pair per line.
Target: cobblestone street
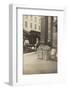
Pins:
x,y
33,65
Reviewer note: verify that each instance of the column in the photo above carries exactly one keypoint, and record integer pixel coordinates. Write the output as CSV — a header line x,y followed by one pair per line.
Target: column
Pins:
x,y
44,30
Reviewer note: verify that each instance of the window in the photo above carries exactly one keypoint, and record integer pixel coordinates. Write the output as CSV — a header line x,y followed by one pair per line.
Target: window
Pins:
x,y
40,21
35,26
31,17
35,18
39,27
25,23
30,25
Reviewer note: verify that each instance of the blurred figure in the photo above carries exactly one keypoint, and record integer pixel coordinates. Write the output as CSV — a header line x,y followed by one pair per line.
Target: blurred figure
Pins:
x,y
37,43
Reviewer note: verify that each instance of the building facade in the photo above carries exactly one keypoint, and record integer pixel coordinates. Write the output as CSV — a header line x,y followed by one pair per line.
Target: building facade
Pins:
x,y
49,30
32,23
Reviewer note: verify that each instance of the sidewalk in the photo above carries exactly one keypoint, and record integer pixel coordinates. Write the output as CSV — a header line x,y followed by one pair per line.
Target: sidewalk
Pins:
x,y
33,65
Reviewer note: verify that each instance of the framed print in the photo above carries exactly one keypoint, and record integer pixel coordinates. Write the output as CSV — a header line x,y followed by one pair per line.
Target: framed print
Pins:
x,y
35,45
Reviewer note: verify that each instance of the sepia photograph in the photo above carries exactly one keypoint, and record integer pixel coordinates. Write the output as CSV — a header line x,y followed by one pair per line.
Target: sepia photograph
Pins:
x,y
39,44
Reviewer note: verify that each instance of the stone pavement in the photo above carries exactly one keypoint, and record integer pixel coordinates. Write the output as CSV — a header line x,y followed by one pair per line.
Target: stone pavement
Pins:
x,y
33,65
